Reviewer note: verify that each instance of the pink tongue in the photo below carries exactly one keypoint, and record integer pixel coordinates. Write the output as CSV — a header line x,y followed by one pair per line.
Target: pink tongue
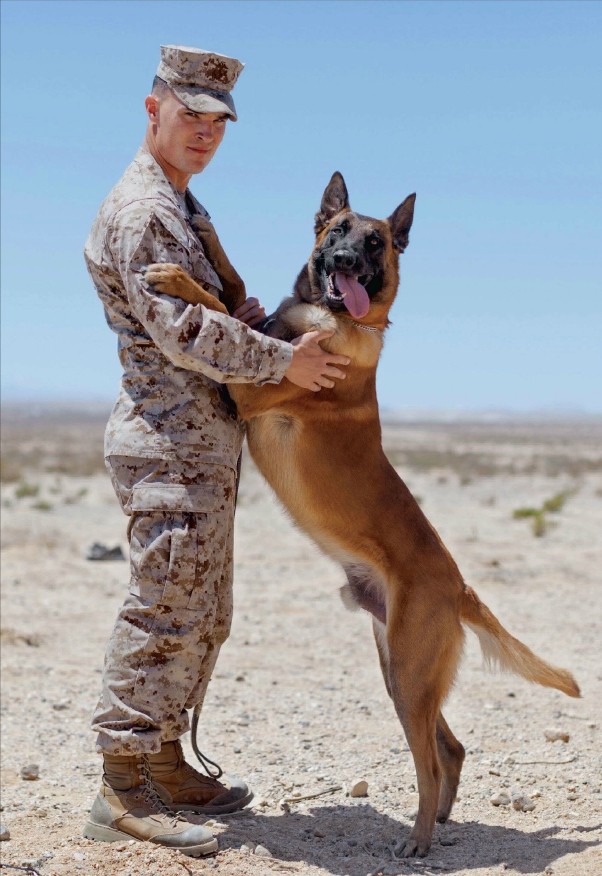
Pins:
x,y
355,296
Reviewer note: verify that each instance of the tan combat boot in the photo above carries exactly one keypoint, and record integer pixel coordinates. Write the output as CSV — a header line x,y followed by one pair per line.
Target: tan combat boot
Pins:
x,y
128,807
182,788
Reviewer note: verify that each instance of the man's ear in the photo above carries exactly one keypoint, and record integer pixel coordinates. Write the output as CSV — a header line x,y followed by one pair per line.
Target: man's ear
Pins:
x,y
400,222
152,107
334,199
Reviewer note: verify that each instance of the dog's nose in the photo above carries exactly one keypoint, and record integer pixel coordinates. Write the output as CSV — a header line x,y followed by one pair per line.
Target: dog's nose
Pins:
x,y
343,258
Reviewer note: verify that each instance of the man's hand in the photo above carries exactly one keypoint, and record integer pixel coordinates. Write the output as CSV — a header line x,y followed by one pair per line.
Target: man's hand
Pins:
x,y
250,312
311,366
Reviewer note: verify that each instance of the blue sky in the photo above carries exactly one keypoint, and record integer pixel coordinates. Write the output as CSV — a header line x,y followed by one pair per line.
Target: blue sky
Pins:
x,y
489,110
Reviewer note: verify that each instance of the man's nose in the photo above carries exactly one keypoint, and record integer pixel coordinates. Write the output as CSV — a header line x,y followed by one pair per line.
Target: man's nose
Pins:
x,y
344,258
205,132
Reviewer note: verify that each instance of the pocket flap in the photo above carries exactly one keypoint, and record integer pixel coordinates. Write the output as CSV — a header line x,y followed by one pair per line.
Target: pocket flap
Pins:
x,y
177,497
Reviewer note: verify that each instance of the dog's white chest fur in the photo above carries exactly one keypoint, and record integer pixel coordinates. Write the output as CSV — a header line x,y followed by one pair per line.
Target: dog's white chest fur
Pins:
x,y
303,318
361,343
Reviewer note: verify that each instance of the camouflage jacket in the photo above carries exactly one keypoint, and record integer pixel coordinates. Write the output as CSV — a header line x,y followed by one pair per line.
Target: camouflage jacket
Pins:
x,y
175,356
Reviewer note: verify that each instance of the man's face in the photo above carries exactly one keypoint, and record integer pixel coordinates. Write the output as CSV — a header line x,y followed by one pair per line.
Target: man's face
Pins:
x,y
185,141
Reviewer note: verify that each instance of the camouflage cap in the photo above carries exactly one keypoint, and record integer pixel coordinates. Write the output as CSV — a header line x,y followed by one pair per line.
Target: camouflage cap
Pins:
x,y
202,80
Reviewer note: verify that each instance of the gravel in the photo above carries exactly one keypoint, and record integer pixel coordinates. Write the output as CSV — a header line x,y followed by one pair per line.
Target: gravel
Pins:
x,y
297,704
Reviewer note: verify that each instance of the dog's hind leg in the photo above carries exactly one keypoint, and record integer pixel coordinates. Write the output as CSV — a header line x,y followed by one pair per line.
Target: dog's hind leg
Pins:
x,y
363,591
380,637
419,719
451,757
450,750
424,642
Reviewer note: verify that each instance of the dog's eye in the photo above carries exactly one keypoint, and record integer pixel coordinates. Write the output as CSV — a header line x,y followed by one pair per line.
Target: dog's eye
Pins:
x,y
337,232
373,242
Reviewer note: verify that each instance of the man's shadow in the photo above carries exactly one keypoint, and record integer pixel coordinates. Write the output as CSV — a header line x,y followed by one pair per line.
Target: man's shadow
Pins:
x,y
355,840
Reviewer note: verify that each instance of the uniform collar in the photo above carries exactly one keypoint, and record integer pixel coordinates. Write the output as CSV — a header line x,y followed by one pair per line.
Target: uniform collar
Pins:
x,y
151,166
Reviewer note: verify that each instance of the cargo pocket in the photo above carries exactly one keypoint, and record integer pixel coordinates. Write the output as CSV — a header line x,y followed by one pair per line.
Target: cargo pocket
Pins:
x,y
177,543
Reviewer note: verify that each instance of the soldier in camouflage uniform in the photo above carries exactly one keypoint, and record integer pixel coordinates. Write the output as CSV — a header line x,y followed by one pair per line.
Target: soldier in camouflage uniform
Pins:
x,y
172,446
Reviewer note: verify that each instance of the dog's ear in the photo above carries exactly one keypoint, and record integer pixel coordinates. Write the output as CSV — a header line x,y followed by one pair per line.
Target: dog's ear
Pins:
x,y
400,222
334,199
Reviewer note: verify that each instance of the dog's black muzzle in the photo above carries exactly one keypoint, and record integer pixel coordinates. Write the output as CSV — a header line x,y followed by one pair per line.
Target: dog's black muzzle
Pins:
x,y
344,260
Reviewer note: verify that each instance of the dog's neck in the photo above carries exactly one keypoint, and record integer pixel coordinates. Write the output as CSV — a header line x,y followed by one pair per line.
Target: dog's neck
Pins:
x,y
368,328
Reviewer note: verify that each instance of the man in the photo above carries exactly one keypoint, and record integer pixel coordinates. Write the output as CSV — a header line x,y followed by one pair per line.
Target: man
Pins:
x,y
172,448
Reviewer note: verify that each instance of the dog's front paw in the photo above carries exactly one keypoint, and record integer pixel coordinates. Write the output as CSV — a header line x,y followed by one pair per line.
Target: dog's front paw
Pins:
x,y
165,277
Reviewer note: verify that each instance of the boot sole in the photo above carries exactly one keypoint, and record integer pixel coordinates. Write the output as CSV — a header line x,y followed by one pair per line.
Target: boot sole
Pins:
x,y
208,809
103,834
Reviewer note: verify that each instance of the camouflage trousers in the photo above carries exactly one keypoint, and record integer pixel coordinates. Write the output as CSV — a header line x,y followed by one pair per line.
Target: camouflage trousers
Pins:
x,y
178,611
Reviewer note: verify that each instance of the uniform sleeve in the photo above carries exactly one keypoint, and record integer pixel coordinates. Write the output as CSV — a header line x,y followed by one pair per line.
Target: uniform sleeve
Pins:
x,y
190,336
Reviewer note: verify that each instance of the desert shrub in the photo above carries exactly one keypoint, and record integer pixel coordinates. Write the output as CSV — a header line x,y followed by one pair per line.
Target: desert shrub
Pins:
x,y
26,491
521,513
540,523
557,502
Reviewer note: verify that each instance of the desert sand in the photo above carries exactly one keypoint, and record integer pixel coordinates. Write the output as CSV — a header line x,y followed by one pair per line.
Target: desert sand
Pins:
x,y
297,705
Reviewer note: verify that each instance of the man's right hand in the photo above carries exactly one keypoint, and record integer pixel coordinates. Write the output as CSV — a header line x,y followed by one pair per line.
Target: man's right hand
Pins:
x,y
311,366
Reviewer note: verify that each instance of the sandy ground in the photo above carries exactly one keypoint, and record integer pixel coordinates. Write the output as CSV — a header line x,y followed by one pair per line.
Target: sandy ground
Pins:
x,y
297,704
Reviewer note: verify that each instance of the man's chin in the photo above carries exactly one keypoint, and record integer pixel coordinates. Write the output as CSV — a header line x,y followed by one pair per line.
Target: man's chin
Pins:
x,y
197,161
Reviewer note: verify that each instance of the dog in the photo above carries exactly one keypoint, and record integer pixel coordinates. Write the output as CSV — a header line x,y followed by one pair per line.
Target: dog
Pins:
x,y
322,454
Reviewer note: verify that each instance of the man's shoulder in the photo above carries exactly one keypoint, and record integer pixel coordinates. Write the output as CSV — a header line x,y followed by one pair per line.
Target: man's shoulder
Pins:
x,y
142,189
141,195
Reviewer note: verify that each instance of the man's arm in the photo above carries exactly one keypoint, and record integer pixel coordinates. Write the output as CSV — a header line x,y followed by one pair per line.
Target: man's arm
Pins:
x,y
190,336
311,367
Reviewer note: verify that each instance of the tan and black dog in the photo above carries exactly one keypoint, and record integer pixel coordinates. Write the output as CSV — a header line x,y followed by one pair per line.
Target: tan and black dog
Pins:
x,y
322,454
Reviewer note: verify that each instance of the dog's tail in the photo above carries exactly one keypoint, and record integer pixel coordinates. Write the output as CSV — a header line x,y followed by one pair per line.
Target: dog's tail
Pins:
x,y
499,647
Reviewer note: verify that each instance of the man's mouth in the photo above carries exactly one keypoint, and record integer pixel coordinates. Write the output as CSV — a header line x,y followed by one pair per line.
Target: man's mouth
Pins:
x,y
350,292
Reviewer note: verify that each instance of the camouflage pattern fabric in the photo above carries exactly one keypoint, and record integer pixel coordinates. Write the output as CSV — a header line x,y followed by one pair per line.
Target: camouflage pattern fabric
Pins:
x,y
175,356
172,445
201,80
178,610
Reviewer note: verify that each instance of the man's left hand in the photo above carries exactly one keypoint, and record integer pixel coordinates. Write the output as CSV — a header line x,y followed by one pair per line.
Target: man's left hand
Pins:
x,y
251,312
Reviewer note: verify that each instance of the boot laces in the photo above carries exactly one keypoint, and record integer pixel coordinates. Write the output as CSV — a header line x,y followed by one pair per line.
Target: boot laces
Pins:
x,y
151,795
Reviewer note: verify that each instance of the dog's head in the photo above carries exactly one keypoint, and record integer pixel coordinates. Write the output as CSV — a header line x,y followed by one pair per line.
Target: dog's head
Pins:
x,y
354,264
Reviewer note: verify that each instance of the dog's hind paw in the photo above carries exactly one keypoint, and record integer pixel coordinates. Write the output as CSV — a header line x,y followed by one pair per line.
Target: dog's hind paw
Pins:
x,y
412,847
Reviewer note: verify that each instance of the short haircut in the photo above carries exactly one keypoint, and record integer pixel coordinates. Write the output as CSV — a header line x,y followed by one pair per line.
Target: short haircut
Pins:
x,y
160,87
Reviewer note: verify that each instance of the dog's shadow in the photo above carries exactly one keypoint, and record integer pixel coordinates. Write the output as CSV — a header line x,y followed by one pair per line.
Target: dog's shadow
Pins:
x,y
355,840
